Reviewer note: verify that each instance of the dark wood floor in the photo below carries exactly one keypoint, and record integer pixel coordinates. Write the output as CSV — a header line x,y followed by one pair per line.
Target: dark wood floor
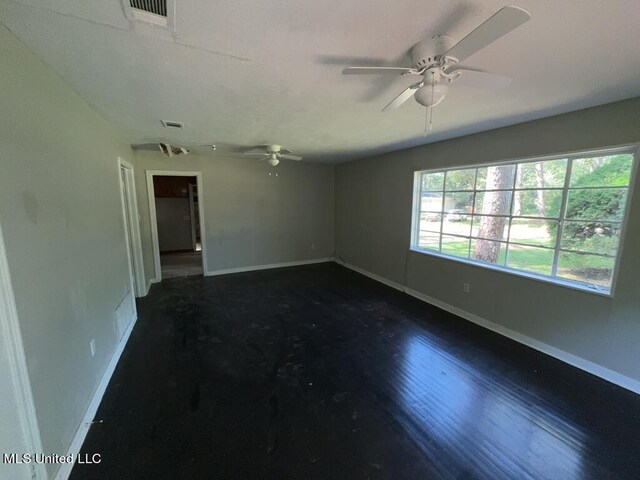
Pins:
x,y
320,373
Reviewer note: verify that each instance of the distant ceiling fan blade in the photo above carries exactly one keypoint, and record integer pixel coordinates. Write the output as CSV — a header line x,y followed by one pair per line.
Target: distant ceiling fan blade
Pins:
x,y
376,70
403,97
484,80
506,20
286,156
255,154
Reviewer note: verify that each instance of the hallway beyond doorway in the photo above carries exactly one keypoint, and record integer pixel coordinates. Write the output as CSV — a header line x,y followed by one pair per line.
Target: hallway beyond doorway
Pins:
x,y
181,264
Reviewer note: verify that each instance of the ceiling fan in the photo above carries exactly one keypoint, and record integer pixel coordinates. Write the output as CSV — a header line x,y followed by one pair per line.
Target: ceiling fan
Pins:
x,y
271,153
436,60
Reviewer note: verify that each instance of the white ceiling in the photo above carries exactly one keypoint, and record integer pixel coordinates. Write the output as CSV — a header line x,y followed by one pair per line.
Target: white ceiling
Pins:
x,y
248,72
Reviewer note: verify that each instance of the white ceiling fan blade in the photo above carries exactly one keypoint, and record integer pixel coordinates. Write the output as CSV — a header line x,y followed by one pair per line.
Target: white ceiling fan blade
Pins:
x,y
403,97
506,20
375,70
255,154
287,156
483,80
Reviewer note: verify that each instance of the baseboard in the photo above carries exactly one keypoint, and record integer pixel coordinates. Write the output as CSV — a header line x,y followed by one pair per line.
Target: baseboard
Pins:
x,y
266,267
150,282
85,425
574,360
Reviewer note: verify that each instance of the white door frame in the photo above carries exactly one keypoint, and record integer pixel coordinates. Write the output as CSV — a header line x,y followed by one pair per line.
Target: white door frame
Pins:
x,y
11,341
132,227
192,211
154,219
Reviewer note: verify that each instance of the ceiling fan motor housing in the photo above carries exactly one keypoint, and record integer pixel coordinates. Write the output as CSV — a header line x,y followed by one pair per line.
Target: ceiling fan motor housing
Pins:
x,y
430,50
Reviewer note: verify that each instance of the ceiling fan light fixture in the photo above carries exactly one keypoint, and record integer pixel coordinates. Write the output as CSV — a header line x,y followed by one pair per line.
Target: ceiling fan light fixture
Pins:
x,y
431,94
273,160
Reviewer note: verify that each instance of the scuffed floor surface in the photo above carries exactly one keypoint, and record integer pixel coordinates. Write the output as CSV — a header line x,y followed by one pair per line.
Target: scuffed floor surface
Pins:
x,y
320,373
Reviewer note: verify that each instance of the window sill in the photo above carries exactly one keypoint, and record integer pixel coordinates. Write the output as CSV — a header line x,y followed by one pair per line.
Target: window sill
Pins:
x,y
532,276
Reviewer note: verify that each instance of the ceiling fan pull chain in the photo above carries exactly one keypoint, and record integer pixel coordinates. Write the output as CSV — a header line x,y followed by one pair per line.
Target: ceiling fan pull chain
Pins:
x,y
426,121
433,86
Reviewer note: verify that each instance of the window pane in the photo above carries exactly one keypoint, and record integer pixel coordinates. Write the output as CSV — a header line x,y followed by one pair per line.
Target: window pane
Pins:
x,y
608,171
499,177
461,179
547,174
488,251
494,228
530,259
534,232
493,203
429,240
460,202
481,179
431,202
432,181
509,215
586,268
430,221
537,203
591,237
456,246
606,204
457,223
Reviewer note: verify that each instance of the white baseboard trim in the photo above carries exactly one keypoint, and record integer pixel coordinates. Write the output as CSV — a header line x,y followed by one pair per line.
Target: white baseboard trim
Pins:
x,y
574,360
150,282
85,425
226,271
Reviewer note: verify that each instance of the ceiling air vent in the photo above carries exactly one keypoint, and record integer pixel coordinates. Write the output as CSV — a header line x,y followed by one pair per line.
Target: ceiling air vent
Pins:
x,y
171,124
149,11
157,7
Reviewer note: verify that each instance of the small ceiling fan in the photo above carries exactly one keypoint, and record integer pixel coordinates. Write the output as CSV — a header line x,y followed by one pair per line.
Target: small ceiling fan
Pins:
x,y
436,60
273,154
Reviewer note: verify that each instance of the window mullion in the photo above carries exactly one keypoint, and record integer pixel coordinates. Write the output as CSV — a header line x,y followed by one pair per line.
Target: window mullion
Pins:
x,y
563,210
444,185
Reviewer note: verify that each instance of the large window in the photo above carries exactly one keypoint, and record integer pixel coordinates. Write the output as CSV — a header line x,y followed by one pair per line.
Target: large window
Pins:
x,y
558,219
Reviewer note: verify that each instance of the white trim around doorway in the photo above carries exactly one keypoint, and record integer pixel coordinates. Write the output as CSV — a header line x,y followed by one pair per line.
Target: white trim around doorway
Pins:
x,y
132,227
154,219
11,340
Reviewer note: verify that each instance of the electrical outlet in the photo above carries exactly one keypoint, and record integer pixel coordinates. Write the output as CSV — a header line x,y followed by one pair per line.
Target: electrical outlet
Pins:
x,y
313,246
92,346
465,287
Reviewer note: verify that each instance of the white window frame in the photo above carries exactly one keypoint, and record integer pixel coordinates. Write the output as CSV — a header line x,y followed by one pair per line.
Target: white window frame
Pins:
x,y
633,149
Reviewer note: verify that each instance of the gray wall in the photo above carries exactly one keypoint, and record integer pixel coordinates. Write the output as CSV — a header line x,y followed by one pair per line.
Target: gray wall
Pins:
x,y
373,223
174,223
61,215
251,217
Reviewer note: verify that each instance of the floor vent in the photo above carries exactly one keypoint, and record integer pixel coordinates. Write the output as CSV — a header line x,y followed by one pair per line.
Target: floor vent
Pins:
x,y
149,11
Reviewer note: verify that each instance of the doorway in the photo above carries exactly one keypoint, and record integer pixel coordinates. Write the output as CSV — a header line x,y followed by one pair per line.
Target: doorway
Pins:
x,y
132,228
177,223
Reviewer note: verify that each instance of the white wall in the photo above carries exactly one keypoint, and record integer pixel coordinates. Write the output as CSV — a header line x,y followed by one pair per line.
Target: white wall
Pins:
x,y
373,224
61,215
251,218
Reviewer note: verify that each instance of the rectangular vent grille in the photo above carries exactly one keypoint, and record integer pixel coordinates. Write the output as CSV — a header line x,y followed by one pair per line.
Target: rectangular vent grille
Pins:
x,y
157,7
171,124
